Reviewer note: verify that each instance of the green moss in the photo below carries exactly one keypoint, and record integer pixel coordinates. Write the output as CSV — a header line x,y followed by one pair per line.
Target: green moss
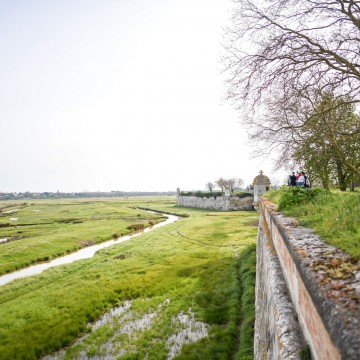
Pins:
x,y
305,353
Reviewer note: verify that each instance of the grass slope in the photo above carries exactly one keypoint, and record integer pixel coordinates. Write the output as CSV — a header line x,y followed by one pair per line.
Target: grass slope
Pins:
x,y
201,267
335,216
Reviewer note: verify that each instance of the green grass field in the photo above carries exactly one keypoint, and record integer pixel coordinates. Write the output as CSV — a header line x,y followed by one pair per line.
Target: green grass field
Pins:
x,y
188,283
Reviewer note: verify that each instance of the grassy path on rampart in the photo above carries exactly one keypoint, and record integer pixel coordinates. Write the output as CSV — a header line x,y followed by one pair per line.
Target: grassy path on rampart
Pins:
x,y
335,215
185,287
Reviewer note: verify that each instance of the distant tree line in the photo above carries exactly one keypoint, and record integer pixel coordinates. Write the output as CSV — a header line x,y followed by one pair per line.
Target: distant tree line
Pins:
x,y
84,194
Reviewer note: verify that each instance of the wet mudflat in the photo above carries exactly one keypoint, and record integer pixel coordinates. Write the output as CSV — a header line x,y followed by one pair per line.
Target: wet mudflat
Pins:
x,y
126,326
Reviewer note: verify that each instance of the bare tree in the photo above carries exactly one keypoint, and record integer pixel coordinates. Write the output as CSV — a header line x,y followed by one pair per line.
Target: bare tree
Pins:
x,y
210,186
234,183
303,44
231,184
275,183
283,56
222,183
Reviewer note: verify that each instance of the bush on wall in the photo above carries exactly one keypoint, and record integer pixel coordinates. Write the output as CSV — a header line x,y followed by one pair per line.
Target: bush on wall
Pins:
x,y
243,195
202,194
215,194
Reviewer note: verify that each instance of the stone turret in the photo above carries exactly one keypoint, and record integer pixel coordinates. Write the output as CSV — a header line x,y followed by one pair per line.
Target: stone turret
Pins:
x,y
261,184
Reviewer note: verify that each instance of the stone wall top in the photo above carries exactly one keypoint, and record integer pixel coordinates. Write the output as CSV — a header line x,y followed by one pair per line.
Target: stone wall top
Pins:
x,y
222,203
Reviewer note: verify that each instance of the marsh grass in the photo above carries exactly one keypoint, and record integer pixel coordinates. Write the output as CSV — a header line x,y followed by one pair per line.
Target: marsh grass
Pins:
x,y
335,216
247,275
193,266
50,228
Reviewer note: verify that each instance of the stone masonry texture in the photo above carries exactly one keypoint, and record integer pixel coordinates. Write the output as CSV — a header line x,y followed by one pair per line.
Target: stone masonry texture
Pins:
x,y
323,284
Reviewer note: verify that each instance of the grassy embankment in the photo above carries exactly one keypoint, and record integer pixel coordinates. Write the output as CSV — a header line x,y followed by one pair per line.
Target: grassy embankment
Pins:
x,y
202,265
335,216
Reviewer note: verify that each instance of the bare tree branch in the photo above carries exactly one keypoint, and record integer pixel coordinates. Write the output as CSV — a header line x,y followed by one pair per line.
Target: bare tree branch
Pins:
x,y
284,58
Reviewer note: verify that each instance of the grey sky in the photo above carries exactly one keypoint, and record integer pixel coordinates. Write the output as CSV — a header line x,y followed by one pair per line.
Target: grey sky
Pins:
x,y
116,95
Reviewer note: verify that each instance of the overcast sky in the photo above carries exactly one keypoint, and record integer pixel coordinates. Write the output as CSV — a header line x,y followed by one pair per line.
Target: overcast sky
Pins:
x,y
117,95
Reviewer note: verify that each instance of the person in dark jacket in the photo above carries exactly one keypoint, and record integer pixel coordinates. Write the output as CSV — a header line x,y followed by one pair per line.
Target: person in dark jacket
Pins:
x,y
306,182
292,179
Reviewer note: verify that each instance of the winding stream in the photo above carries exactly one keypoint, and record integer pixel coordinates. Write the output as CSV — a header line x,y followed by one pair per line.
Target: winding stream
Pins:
x,y
84,253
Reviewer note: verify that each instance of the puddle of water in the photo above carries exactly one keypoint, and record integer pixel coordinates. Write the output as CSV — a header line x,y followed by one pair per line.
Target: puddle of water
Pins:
x,y
193,331
106,318
9,211
84,253
123,321
129,323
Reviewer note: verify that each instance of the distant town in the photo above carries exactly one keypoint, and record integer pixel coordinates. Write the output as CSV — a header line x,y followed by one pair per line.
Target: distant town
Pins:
x,y
82,194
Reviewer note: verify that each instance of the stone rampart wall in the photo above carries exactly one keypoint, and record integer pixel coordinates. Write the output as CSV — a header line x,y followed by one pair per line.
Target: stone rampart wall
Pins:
x,y
218,203
277,331
307,293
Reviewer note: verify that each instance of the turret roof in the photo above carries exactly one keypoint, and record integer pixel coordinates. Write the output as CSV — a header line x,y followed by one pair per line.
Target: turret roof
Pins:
x,y
261,179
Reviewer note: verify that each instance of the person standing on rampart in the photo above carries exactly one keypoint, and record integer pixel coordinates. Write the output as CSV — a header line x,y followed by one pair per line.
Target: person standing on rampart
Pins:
x,y
301,180
306,181
292,179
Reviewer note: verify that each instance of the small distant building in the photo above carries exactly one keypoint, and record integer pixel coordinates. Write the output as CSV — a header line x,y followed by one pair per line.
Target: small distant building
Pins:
x,y
261,184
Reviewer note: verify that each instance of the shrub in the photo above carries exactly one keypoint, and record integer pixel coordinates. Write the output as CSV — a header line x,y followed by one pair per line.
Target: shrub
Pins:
x,y
135,227
243,195
215,194
70,220
296,195
202,194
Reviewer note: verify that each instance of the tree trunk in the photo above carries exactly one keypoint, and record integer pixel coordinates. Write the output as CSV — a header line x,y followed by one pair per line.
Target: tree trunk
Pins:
x,y
341,176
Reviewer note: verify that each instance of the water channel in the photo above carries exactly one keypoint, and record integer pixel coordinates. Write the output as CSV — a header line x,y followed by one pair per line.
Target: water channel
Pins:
x,y
84,253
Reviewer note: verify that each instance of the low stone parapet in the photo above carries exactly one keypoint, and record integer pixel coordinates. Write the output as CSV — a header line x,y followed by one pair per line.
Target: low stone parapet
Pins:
x,y
307,292
222,203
